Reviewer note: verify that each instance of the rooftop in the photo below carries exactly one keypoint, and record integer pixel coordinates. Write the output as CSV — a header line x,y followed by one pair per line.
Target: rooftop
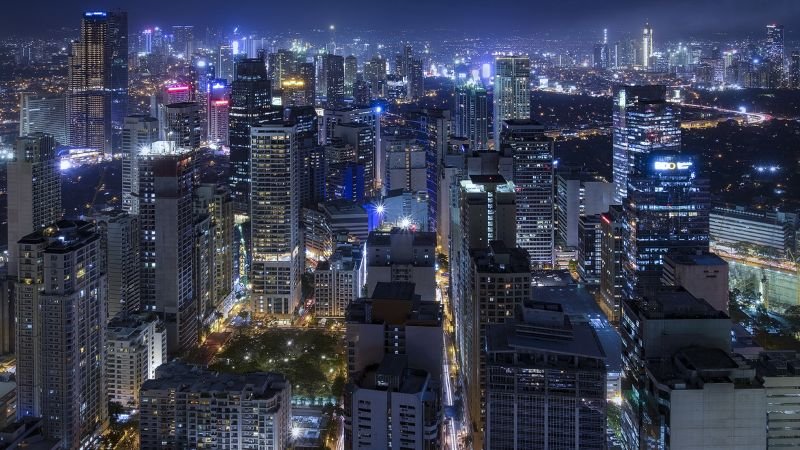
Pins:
x,y
703,259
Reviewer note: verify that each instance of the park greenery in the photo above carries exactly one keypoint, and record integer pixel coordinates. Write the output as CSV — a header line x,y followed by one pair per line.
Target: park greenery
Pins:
x,y
312,359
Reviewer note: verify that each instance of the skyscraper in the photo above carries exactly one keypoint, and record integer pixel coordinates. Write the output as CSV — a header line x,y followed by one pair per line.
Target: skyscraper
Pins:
x,y
43,114
251,106
666,211
647,45
350,71
512,92
180,123
643,122
532,154
218,110
794,70
61,303
88,94
34,191
119,251
277,254
415,82
472,115
332,71
215,201
138,132
166,223
118,42
775,55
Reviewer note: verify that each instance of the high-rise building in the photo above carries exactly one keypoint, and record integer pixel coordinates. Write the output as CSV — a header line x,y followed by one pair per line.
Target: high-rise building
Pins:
x,y
612,259
338,281
415,84
306,72
215,201
180,123
61,301
643,122
350,72
251,106
499,282
681,386
666,211
118,41
41,114
135,347
138,132
396,345
188,407
647,46
472,115
775,54
375,75
512,92
332,74
277,252
218,111
794,70
532,154
34,191
579,193
166,222
225,65
282,65
88,94
402,255
119,249
545,382
590,249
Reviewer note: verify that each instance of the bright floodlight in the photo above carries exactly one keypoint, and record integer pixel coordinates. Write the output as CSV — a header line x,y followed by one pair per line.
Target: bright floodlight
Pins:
x,y
405,223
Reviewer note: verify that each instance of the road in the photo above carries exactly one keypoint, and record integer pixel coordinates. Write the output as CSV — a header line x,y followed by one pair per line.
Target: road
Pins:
x,y
456,428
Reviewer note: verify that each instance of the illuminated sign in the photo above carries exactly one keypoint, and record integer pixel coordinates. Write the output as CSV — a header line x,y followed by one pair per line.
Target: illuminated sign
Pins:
x,y
293,83
177,88
221,102
670,165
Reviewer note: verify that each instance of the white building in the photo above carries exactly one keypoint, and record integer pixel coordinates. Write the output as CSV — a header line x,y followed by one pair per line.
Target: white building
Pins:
x,y
704,276
43,114
338,281
135,347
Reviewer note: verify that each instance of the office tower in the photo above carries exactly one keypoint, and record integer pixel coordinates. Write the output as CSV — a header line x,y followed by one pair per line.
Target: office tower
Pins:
x,y
190,407
486,212
118,41
415,80
225,65
590,249
647,46
403,61
643,122
135,346
579,193
666,211
61,317
350,72
218,110
338,281
332,75
405,209
307,73
406,166
375,75
681,386
612,258
472,115
138,132
166,223
183,40
396,345
775,55
532,154
362,139
251,106
545,382
402,255
277,257
215,201
203,266
499,281
119,250
282,65
180,123
41,114
88,92
703,275
174,93
366,142
512,92
34,191
794,70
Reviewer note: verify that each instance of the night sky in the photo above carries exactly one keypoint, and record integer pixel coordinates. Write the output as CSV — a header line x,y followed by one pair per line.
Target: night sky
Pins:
x,y
670,18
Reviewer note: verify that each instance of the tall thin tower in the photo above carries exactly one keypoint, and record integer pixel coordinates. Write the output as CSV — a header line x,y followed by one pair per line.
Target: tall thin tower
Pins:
x,y
647,45
512,92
